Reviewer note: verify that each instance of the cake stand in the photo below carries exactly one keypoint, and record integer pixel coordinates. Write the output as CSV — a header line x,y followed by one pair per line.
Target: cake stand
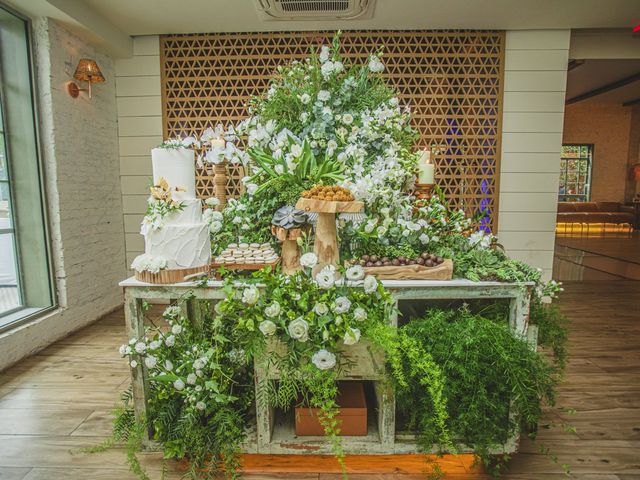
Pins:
x,y
326,242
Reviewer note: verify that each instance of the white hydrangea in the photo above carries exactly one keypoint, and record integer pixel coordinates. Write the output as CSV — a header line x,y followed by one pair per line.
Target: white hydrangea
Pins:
x,y
324,54
140,347
201,405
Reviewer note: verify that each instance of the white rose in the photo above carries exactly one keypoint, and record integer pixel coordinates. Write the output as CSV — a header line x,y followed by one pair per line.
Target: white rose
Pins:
x,y
323,359
150,361
360,314
176,329
320,308
351,336
299,329
140,347
191,379
309,260
267,327
178,384
250,295
355,273
155,345
341,305
326,277
201,406
133,364
272,310
123,349
370,284
212,202
170,341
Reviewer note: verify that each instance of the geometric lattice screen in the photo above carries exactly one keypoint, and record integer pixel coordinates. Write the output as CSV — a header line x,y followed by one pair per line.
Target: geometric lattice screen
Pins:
x,y
452,80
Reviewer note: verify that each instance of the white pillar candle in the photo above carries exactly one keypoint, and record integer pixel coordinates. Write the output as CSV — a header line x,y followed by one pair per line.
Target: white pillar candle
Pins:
x,y
425,168
218,143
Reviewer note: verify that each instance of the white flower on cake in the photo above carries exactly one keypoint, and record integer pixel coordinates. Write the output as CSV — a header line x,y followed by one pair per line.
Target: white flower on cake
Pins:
x,y
178,384
321,308
272,310
351,336
148,263
341,305
355,273
309,260
267,327
370,284
326,277
324,359
299,329
250,295
359,314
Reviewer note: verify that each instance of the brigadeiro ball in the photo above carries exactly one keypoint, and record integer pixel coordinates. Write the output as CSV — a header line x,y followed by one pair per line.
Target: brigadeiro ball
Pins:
x,y
439,259
402,259
373,258
365,258
425,255
378,263
420,261
395,262
385,259
369,264
412,262
428,263
387,263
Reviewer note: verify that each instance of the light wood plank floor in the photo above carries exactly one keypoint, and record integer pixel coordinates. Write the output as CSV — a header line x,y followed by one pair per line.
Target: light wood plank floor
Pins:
x,y
57,402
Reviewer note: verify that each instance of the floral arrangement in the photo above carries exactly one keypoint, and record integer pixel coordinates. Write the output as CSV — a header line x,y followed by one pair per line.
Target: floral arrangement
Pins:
x,y
160,204
149,263
175,143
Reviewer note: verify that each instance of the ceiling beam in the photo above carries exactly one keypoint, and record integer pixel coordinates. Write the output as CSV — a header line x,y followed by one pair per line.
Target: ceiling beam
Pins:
x,y
605,88
630,103
573,64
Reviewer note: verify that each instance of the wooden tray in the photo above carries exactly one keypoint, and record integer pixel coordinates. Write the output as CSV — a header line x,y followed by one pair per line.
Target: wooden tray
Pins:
x,y
352,417
241,266
327,206
170,276
444,271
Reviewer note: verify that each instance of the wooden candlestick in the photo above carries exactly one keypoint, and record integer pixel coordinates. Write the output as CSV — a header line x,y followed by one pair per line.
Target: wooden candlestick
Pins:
x,y
325,245
423,191
220,181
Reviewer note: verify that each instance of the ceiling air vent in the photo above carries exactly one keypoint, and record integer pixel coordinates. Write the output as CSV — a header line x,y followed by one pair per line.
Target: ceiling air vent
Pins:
x,y
314,9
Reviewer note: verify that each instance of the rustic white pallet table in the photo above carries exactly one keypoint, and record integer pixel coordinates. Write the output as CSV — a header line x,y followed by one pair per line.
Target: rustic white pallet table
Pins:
x,y
273,432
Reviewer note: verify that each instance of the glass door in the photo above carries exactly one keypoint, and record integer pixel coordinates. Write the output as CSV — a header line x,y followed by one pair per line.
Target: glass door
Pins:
x,y
575,173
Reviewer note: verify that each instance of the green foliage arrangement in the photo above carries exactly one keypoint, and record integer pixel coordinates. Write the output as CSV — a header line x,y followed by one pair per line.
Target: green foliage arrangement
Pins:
x,y
489,373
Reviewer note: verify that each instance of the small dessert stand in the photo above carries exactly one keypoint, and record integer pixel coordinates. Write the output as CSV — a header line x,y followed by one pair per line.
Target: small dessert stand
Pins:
x,y
326,241
290,254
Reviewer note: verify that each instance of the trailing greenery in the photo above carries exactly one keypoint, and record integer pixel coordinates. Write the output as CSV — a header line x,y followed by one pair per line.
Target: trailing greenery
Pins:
x,y
488,374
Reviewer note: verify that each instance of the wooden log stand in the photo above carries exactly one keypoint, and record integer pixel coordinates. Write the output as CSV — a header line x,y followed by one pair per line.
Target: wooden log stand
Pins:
x,y
290,250
325,245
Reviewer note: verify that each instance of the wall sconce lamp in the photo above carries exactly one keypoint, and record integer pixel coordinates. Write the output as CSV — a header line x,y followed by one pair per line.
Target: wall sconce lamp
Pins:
x,y
86,71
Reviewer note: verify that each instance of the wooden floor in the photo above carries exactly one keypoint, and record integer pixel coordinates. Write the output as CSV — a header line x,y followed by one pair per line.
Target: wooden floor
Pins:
x,y
58,402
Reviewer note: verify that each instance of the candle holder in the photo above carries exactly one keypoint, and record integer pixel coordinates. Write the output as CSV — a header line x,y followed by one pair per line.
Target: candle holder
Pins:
x,y
423,191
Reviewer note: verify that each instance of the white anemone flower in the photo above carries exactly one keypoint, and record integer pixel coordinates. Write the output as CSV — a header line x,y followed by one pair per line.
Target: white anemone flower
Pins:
x,y
355,273
323,359
309,260
321,308
326,277
341,305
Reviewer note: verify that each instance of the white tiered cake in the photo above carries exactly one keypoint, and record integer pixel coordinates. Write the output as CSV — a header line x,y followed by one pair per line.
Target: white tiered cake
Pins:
x,y
176,236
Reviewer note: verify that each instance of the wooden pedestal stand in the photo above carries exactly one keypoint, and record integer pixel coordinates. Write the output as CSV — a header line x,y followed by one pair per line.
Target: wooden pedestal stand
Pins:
x,y
220,181
422,191
326,241
290,250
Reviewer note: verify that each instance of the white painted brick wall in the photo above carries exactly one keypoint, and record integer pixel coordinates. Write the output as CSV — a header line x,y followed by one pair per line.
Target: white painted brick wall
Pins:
x,y
80,152
139,130
534,92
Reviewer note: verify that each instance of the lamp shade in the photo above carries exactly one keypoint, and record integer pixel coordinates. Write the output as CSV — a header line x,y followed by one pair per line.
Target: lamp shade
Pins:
x,y
88,71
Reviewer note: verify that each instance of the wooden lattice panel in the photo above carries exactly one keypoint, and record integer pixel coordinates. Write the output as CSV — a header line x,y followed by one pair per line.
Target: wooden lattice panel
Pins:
x,y
452,81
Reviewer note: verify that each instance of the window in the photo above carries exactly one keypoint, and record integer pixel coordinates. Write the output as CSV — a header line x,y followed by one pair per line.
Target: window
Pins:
x,y
25,280
575,173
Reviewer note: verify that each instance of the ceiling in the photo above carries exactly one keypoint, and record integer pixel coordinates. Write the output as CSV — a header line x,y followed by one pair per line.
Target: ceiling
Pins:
x,y
594,74
144,17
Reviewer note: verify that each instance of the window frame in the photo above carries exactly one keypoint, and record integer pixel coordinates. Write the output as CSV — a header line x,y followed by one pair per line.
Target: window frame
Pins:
x,y
24,313
563,173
